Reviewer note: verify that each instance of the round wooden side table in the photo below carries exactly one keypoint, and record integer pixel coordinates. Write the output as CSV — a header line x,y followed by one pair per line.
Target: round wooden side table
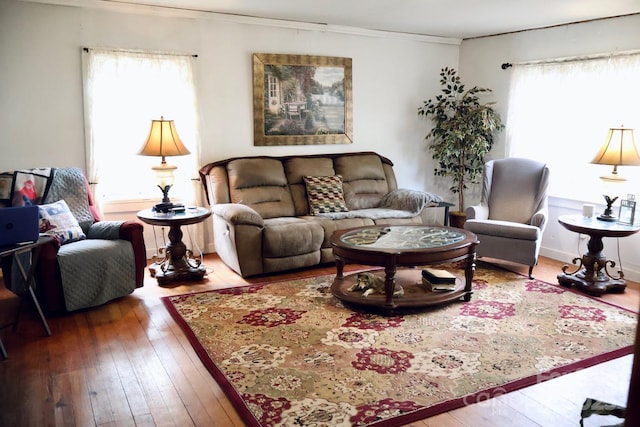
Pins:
x,y
178,263
592,275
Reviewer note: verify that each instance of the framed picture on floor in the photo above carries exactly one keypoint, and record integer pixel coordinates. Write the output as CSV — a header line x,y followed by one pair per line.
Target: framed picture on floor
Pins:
x,y
301,100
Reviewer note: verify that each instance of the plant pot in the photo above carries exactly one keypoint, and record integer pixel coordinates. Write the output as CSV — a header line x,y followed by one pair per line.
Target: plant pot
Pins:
x,y
457,219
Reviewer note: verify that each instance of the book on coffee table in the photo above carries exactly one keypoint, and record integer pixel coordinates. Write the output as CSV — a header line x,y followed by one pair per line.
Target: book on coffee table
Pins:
x,y
438,276
438,280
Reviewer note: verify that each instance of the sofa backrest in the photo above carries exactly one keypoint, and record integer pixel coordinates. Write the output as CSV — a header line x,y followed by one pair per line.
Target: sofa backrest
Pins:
x,y
261,184
365,180
274,186
296,168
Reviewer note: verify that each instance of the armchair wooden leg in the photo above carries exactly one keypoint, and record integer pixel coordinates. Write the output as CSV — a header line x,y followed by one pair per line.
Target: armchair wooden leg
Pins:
x,y
531,271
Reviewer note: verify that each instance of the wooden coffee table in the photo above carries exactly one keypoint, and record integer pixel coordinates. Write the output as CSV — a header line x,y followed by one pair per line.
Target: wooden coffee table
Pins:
x,y
402,246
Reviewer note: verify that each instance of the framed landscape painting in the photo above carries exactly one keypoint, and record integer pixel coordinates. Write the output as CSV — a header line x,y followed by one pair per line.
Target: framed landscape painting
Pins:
x,y
301,99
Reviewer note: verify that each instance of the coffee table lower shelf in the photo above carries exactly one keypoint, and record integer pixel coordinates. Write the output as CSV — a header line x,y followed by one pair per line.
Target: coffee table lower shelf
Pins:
x,y
416,295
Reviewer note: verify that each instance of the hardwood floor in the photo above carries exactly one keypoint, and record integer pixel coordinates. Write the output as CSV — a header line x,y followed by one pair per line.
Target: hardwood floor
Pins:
x,y
128,364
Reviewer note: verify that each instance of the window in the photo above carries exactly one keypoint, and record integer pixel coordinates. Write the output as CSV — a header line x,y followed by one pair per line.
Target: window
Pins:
x,y
560,113
272,87
124,91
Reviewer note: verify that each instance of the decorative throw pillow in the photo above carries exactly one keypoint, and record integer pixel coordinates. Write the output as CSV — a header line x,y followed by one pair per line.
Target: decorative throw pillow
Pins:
x,y
57,221
325,194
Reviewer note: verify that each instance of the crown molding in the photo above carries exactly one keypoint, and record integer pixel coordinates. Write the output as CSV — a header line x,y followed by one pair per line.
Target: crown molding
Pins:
x,y
124,6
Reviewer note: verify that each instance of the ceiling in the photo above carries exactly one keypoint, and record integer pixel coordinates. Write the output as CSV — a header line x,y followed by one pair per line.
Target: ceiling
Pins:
x,y
445,18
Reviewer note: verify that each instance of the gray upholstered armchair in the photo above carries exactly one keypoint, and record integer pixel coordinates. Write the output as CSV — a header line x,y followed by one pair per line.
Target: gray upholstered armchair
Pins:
x,y
513,212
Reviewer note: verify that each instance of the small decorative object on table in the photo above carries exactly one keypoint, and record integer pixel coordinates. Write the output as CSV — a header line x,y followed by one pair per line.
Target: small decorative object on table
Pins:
x,y
627,210
438,280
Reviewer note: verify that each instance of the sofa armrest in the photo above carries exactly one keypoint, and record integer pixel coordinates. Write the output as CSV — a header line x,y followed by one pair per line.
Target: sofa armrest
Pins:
x,y
237,234
49,282
477,212
539,219
106,230
132,231
238,214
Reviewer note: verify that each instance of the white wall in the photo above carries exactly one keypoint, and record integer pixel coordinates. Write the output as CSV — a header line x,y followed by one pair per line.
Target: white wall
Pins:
x,y
480,61
41,81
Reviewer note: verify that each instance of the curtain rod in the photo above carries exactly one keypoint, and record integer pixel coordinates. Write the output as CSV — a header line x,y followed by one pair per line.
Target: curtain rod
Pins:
x,y
87,49
507,65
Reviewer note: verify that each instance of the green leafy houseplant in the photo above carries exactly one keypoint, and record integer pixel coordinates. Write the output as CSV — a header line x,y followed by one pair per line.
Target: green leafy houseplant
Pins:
x,y
463,131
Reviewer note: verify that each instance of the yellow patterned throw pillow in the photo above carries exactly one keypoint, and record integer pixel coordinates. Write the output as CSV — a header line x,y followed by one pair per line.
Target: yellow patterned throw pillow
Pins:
x,y
325,194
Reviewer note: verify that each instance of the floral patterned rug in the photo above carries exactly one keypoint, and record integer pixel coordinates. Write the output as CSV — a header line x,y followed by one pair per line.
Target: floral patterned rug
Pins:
x,y
290,354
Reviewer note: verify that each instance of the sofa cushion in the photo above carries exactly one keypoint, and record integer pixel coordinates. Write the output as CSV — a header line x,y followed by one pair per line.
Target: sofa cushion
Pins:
x,y
325,194
285,237
297,167
364,179
330,225
507,229
261,184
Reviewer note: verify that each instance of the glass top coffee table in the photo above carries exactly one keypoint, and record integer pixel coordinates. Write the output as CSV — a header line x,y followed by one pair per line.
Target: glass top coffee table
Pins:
x,y
402,246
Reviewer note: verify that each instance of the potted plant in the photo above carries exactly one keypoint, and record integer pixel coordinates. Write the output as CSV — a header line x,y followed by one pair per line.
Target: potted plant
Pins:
x,y
462,133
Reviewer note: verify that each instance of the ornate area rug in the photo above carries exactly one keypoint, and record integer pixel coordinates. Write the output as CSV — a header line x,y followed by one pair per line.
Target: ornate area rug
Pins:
x,y
290,354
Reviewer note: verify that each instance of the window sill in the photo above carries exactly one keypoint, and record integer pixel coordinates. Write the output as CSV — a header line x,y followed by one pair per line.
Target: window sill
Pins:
x,y
129,205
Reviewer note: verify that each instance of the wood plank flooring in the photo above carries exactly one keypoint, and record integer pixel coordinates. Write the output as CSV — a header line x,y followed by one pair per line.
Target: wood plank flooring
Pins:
x,y
128,364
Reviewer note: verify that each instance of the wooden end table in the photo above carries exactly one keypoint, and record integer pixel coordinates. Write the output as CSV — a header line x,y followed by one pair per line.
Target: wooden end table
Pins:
x,y
591,275
178,263
402,246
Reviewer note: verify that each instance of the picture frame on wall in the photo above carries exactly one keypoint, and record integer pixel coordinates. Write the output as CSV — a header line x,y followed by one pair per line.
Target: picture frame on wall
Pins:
x,y
627,212
302,100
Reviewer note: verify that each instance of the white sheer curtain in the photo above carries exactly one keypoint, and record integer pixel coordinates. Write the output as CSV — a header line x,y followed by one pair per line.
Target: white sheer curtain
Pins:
x,y
560,113
123,92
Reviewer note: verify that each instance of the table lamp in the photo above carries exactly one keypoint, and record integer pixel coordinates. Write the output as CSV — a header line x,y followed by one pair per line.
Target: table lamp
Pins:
x,y
163,141
619,149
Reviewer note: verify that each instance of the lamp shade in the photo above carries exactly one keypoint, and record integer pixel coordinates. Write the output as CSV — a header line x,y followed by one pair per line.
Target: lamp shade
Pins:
x,y
163,140
619,149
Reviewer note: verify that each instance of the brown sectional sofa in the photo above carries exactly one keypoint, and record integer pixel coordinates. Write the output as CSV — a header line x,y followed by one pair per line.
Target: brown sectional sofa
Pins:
x,y
261,220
